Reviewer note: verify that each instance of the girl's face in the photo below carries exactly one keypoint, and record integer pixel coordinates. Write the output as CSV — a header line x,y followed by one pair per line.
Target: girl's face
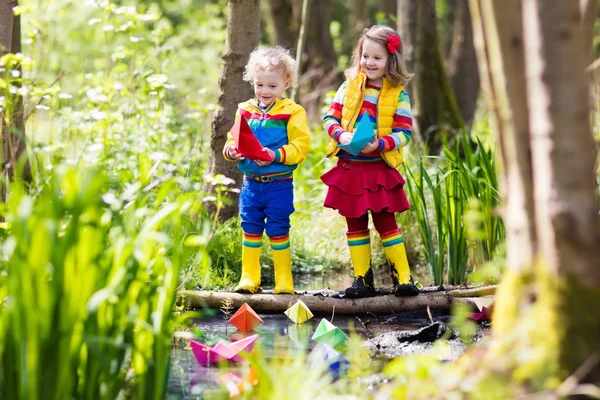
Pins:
x,y
373,60
269,86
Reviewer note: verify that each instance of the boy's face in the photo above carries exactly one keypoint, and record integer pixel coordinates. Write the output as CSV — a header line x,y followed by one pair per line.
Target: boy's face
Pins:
x,y
373,60
268,86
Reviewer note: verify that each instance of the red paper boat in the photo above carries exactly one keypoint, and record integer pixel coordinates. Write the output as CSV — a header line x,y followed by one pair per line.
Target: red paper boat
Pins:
x,y
245,318
247,144
222,351
484,315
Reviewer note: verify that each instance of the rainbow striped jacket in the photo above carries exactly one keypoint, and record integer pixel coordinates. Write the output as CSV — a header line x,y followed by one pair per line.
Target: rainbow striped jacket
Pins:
x,y
282,127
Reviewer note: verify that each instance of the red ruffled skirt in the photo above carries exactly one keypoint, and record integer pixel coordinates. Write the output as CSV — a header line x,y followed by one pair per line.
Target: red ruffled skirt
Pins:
x,y
355,187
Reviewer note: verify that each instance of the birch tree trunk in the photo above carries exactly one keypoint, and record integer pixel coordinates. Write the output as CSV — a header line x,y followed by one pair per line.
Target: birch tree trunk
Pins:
x,y
14,145
566,212
532,56
243,29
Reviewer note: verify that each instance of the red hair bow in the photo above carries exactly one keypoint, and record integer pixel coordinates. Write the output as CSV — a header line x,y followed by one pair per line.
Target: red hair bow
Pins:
x,y
393,43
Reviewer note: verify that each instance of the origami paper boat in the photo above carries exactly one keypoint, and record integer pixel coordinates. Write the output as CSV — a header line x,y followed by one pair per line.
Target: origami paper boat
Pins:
x,y
299,312
484,315
246,143
245,318
362,135
337,365
330,334
222,351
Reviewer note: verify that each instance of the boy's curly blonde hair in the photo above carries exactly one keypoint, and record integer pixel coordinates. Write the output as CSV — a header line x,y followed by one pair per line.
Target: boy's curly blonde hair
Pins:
x,y
269,59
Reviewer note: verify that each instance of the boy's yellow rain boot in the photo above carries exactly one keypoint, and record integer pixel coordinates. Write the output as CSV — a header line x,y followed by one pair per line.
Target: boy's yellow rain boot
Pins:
x,y
395,255
282,264
251,249
359,243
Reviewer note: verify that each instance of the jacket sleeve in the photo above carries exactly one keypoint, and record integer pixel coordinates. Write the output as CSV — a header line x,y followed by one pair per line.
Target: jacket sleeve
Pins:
x,y
298,139
230,142
333,119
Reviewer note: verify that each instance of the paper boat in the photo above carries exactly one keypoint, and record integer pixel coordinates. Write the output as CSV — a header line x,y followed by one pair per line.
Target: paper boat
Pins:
x,y
246,143
245,318
222,351
330,334
362,135
337,365
299,312
485,315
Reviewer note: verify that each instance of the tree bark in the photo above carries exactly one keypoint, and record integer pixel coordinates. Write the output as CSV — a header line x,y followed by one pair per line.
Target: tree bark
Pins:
x,y
243,28
407,28
462,64
320,74
387,304
553,279
389,8
588,10
359,17
435,108
14,145
566,212
501,65
285,24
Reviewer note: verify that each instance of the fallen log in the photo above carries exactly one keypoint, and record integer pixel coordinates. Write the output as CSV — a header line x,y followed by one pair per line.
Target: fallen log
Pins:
x,y
385,304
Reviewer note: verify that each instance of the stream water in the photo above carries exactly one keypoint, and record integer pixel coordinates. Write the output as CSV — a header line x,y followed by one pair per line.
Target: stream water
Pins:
x,y
278,337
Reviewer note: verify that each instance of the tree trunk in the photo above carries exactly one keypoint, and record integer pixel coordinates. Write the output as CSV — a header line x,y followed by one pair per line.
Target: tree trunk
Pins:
x,y
407,28
566,212
588,10
321,73
359,17
462,64
552,216
389,8
285,24
243,28
14,146
435,108
501,63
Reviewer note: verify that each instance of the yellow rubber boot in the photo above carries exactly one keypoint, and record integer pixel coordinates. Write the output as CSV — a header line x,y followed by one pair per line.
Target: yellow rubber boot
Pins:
x,y
250,279
282,264
359,243
395,255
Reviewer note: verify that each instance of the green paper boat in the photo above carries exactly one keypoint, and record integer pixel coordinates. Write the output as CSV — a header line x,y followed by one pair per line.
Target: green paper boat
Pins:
x,y
330,334
362,135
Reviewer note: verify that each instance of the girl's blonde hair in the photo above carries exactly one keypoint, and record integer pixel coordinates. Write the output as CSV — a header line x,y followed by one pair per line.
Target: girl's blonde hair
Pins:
x,y
269,59
395,69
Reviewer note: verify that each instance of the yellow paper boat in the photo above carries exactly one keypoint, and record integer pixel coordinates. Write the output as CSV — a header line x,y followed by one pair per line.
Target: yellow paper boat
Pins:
x,y
299,312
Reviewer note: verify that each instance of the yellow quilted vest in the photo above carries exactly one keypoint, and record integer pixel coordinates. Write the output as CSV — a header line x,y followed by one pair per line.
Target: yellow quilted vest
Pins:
x,y
386,109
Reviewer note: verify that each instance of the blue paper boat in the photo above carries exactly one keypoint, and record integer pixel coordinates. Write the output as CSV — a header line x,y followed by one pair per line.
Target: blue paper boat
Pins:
x,y
362,135
336,364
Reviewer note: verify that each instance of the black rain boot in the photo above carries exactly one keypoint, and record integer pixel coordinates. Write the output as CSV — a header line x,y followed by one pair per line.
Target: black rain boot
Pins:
x,y
402,289
362,286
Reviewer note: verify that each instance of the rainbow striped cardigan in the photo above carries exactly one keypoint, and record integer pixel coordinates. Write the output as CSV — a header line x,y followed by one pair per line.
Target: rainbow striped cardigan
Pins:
x,y
282,127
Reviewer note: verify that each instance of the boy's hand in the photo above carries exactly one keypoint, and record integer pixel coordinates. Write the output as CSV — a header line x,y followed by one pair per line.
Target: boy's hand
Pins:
x,y
371,146
271,154
346,138
234,153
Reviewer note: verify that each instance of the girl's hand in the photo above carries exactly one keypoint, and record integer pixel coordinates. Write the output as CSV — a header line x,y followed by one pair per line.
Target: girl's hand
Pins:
x,y
371,146
346,138
234,153
265,163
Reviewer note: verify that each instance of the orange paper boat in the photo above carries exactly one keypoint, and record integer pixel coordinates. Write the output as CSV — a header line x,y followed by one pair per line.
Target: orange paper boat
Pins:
x,y
245,318
247,144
